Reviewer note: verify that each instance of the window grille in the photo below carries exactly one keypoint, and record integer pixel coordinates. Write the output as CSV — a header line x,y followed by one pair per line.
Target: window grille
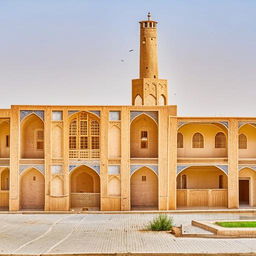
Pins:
x,y
180,140
242,141
84,143
95,143
220,140
83,127
95,128
73,128
72,142
198,140
84,139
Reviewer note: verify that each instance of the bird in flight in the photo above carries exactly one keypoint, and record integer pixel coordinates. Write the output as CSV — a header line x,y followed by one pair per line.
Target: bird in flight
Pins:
x,y
131,50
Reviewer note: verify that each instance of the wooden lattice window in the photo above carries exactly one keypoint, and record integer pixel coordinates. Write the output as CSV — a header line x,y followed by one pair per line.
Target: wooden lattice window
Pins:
x,y
220,140
84,135
198,140
39,139
180,140
242,141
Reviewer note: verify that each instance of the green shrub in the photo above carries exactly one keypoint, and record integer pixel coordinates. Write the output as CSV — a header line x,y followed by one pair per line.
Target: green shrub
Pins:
x,y
161,223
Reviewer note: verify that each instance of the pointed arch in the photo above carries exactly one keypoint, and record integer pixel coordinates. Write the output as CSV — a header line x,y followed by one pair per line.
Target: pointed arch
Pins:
x,y
57,186
32,137
114,186
5,139
150,100
57,142
5,179
242,141
144,189
114,142
162,100
180,140
198,140
32,189
138,100
85,188
220,140
144,137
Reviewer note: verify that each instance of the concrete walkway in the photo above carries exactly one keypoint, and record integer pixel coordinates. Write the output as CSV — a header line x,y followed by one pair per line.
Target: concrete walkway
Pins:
x,y
110,233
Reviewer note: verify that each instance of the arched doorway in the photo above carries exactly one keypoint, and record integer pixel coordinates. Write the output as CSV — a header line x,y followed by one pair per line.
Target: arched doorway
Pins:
x,y
32,137
144,189
4,138
144,137
4,188
202,186
32,190
247,187
85,188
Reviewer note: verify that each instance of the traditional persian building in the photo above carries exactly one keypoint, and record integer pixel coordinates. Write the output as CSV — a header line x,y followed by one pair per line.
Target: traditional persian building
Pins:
x,y
141,156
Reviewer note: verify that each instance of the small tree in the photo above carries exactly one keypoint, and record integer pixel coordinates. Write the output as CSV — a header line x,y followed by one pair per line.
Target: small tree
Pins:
x,y
161,223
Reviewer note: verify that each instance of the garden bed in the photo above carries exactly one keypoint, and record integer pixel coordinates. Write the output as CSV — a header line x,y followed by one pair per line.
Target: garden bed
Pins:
x,y
237,224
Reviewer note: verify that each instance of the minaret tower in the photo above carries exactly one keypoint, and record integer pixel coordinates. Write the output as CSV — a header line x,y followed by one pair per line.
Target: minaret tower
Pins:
x,y
148,90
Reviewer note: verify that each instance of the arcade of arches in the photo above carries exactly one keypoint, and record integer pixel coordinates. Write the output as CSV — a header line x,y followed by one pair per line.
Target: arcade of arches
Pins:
x,y
46,151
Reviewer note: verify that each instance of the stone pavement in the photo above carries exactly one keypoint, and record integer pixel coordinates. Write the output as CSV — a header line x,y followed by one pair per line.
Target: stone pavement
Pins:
x,y
109,233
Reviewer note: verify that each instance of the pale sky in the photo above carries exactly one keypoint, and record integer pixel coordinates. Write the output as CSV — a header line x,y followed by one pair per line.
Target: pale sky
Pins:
x,y
69,52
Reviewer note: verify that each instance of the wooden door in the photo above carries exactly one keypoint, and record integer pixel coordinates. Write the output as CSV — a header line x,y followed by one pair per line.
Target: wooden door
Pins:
x,y
32,190
244,191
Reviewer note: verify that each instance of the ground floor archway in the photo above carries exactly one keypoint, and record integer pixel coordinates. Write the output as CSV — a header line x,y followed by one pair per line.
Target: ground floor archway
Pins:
x,y
32,190
247,187
85,188
144,189
4,188
202,186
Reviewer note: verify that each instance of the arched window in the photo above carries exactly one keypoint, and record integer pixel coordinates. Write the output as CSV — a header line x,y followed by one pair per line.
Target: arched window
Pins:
x,y
138,100
242,141
220,140
180,140
162,100
198,140
84,136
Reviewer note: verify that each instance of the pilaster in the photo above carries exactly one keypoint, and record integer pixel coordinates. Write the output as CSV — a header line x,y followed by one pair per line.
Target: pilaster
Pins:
x,y
125,159
163,159
172,161
233,176
66,157
14,160
104,158
47,156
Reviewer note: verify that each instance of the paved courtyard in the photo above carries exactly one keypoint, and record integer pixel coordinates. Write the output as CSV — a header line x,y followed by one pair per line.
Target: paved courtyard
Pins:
x,y
109,233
